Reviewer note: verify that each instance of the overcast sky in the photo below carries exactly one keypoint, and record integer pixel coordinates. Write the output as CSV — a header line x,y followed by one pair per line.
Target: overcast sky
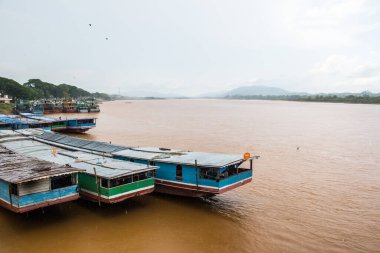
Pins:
x,y
193,47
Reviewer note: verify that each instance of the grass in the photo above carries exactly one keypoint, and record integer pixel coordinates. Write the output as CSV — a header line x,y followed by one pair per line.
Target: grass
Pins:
x,y
6,108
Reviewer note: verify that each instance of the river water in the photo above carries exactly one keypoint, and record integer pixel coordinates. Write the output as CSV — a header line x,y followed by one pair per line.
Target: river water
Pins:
x,y
322,197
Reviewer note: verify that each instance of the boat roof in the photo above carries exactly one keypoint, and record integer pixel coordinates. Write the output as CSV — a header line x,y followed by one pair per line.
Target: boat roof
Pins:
x,y
164,155
18,168
14,119
10,120
105,167
51,119
181,157
101,147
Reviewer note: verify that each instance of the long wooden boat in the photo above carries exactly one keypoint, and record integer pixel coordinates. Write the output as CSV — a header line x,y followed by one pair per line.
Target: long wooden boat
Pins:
x,y
28,183
71,125
102,179
181,172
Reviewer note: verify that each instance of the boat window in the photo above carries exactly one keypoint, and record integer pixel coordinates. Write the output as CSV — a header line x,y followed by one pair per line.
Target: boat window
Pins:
x,y
151,173
208,173
104,183
61,181
14,189
120,181
178,172
153,163
131,160
85,121
214,174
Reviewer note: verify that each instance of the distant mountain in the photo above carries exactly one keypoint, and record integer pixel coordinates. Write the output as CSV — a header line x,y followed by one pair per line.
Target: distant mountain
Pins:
x,y
150,94
257,90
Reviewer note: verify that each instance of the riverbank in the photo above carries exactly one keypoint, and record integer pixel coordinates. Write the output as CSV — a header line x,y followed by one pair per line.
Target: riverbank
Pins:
x,y
6,108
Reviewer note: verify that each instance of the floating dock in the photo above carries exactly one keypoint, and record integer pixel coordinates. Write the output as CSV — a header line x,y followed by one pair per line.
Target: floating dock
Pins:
x,y
180,172
28,183
102,179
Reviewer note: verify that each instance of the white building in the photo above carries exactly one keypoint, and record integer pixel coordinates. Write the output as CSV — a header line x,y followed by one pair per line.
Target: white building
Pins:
x,y
4,99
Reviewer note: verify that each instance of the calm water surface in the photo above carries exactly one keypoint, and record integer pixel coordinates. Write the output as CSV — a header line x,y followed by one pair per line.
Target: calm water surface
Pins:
x,y
324,197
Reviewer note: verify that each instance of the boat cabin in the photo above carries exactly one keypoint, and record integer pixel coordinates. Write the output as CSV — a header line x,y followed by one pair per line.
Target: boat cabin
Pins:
x,y
80,125
28,183
189,173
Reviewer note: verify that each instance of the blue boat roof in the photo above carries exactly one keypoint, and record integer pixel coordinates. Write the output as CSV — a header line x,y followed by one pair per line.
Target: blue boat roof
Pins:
x,y
13,119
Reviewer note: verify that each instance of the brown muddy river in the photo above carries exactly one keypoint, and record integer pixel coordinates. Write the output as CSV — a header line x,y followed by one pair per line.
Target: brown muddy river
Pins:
x,y
324,197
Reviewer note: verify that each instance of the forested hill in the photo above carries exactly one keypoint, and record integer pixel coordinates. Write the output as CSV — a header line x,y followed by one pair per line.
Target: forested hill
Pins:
x,y
37,89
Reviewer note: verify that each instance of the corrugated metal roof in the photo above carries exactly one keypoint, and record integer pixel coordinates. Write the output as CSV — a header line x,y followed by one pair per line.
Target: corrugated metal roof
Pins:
x,y
14,119
17,168
97,146
147,153
183,157
37,117
105,167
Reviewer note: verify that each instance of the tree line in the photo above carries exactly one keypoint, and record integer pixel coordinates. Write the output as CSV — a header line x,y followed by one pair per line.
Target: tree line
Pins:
x,y
37,89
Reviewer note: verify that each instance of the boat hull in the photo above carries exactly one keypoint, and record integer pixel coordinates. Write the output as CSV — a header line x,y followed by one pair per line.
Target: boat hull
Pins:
x,y
70,110
37,206
187,190
72,129
92,196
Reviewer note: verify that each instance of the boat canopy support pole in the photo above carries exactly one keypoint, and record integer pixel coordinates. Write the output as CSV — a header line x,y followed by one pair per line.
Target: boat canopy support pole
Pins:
x,y
196,172
97,185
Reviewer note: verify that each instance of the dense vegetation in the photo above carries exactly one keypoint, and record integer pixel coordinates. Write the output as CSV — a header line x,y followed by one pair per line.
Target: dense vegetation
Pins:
x,y
37,89
355,99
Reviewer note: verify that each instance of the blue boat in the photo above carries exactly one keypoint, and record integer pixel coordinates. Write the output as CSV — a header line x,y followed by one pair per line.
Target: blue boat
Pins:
x,y
189,173
64,124
28,183
5,126
180,172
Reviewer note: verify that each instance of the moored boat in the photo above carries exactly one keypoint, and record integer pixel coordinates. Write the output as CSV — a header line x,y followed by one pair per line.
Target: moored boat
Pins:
x,y
69,106
28,183
93,105
72,125
82,107
183,173
102,179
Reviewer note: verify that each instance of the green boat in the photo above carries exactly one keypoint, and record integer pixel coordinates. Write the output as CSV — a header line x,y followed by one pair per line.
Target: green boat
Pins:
x,y
103,179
